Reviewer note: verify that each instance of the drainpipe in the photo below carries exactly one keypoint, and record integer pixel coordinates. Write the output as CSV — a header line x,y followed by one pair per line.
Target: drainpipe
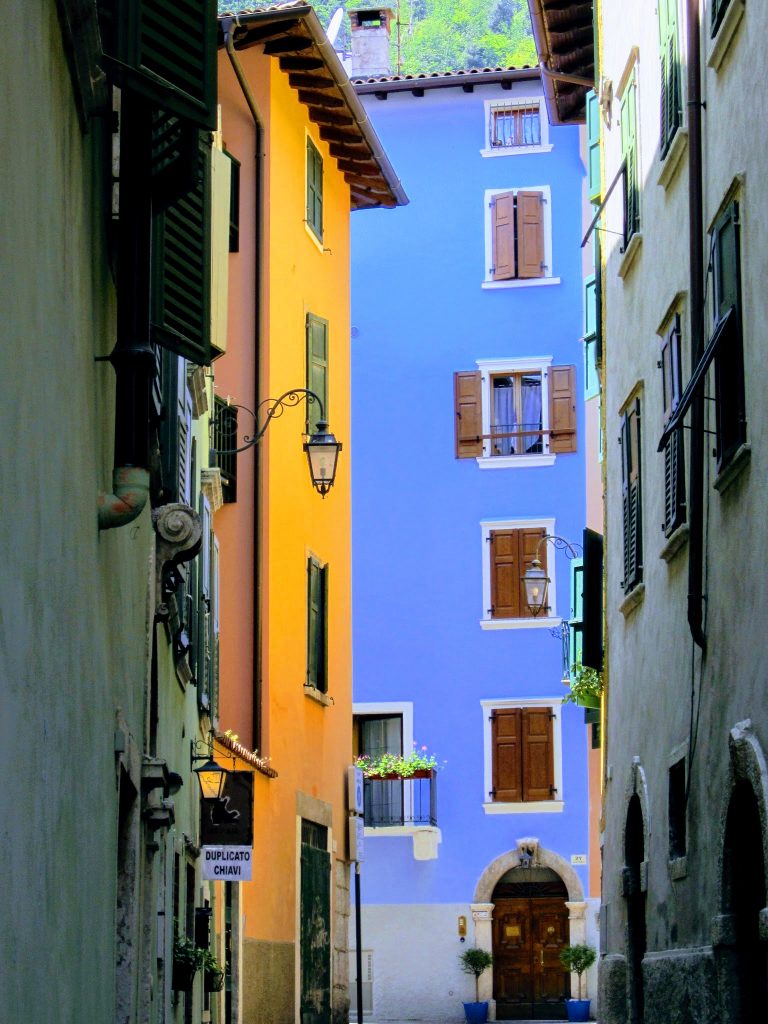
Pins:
x,y
132,357
696,285
227,29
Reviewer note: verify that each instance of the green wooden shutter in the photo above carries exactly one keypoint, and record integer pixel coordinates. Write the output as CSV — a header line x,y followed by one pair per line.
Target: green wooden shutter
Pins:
x,y
671,112
591,379
314,189
593,146
575,623
317,625
181,270
164,50
592,606
506,755
317,368
629,153
632,516
731,416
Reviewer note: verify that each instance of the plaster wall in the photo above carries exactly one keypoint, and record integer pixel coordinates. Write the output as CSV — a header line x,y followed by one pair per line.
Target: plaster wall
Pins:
x,y
73,630
665,699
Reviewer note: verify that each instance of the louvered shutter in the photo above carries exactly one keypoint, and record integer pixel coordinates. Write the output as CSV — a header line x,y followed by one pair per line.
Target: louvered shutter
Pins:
x,y
164,50
562,409
670,73
530,234
576,621
468,417
593,147
317,368
181,270
591,380
184,414
317,596
674,483
528,547
505,574
629,153
503,236
506,755
631,509
537,768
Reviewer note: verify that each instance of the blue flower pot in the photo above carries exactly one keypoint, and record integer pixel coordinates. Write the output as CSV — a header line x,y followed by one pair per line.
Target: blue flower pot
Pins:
x,y
578,1009
476,1013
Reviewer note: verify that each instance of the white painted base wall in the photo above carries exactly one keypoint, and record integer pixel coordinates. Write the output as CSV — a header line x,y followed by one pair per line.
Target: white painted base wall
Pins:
x,y
416,972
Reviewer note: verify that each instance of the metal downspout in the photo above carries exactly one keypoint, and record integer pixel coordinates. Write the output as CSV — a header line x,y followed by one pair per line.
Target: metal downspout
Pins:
x,y
245,87
696,263
132,356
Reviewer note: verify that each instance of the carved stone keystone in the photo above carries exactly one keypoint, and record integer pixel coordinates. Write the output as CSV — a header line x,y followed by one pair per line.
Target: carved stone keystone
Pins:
x,y
179,537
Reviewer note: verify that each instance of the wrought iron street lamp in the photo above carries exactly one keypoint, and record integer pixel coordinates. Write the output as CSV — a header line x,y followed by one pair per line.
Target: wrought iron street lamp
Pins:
x,y
211,776
321,447
535,578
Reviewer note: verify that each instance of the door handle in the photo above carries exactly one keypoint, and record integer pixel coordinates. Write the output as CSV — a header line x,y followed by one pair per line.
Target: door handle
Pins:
x,y
541,960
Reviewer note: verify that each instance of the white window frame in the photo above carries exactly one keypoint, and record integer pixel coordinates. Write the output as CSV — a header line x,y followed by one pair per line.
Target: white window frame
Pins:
x,y
487,527
522,806
518,282
512,101
489,367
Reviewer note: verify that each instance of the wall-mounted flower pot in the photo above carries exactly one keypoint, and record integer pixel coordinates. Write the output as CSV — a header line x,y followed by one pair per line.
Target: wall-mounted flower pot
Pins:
x,y
578,1009
182,977
213,981
588,702
419,773
476,1013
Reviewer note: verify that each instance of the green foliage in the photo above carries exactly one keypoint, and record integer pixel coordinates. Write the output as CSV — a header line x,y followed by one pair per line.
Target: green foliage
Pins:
x,y
445,35
186,952
577,959
587,682
403,765
474,961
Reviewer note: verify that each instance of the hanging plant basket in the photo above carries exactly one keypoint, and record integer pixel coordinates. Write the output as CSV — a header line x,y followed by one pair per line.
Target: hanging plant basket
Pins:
x,y
183,976
213,981
587,701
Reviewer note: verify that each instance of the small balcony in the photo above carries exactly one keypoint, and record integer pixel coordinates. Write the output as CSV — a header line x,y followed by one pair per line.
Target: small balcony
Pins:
x,y
516,439
404,807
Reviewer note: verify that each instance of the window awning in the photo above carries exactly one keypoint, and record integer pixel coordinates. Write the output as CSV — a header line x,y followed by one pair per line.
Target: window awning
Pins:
x,y
697,378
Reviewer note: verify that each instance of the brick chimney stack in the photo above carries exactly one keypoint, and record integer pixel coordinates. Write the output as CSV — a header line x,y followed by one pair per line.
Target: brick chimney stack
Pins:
x,y
370,41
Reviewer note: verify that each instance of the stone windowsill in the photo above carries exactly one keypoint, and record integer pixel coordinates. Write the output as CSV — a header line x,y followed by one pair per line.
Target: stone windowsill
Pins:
x,y
531,807
675,542
528,623
632,600
673,160
521,282
678,868
317,695
629,254
516,150
514,461
727,476
721,44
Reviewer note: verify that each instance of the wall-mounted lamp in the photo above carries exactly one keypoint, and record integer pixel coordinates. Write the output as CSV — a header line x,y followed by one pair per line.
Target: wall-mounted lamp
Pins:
x,y
462,928
321,447
535,578
210,775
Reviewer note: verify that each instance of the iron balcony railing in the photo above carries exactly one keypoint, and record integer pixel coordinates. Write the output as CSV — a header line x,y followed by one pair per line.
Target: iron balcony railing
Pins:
x,y
396,801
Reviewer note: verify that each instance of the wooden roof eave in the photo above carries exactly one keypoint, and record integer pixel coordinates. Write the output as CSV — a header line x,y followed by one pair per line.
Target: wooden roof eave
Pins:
x,y
294,35
560,35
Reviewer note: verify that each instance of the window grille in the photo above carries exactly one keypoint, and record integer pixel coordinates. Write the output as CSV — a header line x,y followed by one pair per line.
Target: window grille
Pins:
x,y
513,125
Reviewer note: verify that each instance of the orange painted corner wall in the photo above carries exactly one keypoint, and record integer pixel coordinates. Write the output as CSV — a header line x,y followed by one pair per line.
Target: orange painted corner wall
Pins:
x,y
309,744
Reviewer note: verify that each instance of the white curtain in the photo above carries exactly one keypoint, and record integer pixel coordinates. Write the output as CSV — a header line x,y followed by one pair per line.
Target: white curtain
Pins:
x,y
532,411
504,421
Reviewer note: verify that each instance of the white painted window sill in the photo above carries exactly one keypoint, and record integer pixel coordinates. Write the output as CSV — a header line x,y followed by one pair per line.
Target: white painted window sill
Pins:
x,y
514,461
524,282
318,242
632,600
734,469
675,542
426,838
317,695
531,623
629,254
515,150
721,44
532,807
673,160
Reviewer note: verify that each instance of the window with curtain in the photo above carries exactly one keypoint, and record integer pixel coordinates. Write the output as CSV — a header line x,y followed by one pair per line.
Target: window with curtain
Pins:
x,y
379,735
516,415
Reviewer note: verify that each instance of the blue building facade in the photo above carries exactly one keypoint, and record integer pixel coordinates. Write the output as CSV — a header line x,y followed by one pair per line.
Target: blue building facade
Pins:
x,y
467,382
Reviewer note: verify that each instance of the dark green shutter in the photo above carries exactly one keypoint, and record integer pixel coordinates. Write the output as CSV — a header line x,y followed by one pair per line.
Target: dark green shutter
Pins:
x,y
671,112
592,591
593,146
181,269
317,636
631,508
164,50
575,623
629,153
314,189
315,939
317,368
731,416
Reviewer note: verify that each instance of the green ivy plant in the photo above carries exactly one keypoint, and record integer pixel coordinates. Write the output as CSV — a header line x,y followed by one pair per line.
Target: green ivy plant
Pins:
x,y
186,953
585,682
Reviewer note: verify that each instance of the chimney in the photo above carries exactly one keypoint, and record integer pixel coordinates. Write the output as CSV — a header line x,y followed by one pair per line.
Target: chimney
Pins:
x,y
370,41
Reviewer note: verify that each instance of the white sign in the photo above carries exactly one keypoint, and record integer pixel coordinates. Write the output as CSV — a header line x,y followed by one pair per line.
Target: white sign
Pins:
x,y
578,858
227,863
356,840
355,789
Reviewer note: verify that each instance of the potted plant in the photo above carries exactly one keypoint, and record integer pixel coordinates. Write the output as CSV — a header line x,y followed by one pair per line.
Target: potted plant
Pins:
x,y
578,959
586,686
474,961
186,960
417,765
213,972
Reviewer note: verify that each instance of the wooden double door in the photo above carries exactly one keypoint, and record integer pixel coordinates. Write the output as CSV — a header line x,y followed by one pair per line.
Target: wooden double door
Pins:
x,y
529,982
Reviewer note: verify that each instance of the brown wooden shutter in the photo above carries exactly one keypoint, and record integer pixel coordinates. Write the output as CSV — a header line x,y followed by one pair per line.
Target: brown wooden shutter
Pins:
x,y
537,768
562,409
505,574
507,761
468,414
503,236
528,543
530,234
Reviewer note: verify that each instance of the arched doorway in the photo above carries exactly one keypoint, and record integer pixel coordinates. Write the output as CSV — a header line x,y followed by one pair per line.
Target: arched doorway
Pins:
x,y
634,855
530,927
744,896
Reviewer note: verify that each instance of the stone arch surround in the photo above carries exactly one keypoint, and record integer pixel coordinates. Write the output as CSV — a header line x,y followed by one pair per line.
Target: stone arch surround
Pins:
x,y
482,907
